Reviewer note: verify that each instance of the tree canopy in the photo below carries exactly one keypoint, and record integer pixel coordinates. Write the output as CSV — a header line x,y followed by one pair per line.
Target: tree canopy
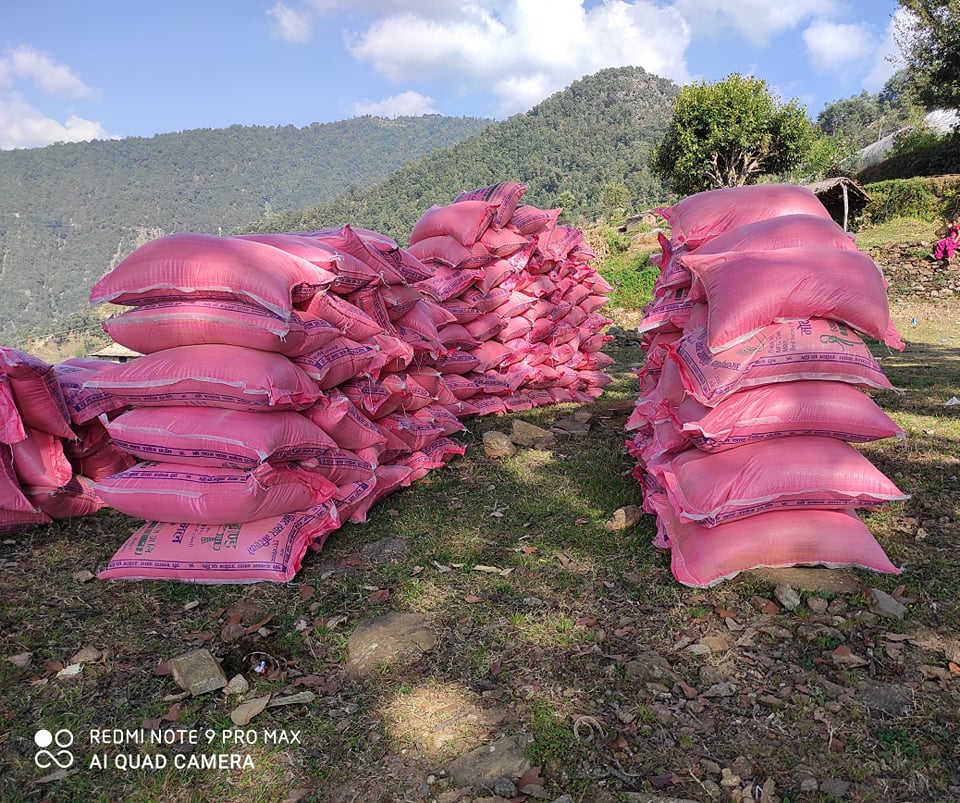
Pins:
x,y
730,133
929,37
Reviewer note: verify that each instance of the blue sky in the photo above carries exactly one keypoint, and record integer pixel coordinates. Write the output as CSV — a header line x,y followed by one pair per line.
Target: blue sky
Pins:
x,y
92,69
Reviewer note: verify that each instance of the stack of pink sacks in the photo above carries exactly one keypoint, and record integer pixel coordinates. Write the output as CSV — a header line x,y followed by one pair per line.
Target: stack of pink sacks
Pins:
x,y
524,328
45,470
291,380
752,390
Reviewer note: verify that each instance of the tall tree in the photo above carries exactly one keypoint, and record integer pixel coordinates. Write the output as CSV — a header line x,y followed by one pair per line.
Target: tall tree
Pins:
x,y
730,133
929,37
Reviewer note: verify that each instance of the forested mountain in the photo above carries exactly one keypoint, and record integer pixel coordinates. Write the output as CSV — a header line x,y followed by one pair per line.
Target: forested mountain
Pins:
x,y
571,150
68,212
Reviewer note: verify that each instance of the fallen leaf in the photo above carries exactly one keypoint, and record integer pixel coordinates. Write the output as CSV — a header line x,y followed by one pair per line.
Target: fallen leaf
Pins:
x,y
56,775
70,671
83,576
441,568
173,713
245,712
380,595
307,592
21,659
471,599
87,655
194,603
489,569
255,627
531,778
151,724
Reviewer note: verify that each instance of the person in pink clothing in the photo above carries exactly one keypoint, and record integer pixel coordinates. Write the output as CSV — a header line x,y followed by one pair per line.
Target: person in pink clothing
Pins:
x,y
945,248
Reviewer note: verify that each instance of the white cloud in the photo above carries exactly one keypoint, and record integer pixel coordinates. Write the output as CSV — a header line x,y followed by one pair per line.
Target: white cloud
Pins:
x,y
36,68
291,25
833,47
523,50
22,126
406,104
756,20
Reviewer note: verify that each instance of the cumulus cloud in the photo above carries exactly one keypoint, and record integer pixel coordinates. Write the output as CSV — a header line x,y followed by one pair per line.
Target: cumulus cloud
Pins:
x,y
22,123
758,21
23,126
834,47
405,104
24,64
522,51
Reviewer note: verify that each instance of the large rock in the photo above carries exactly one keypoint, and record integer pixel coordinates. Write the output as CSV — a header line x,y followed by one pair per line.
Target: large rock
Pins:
x,y
392,638
497,445
483,766
526,434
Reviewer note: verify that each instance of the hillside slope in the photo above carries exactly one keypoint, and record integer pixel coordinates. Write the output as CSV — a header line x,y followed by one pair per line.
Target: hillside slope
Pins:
x,y
599,131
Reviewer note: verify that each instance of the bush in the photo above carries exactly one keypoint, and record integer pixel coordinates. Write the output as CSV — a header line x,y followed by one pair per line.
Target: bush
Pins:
x,y
926,198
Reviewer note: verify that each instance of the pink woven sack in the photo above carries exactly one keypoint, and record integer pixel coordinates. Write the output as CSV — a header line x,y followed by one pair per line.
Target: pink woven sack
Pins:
x,y
466,221
505,195
179,492
268,549
39,459
806,407
341,359
789,283
84,405
211,375
800,471
12,498
339,417
529,220
73,500
17,521
11,424
36,392
184,266
210,436
167,325
701,557
699,217
337,311
783,352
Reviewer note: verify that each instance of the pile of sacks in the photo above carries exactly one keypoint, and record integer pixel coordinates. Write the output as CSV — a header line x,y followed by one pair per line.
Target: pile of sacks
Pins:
x,y
752,390
289,381
47,465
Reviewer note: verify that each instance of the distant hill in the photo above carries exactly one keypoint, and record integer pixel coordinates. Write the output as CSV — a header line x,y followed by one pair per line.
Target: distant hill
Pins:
x,y
598,132
69,212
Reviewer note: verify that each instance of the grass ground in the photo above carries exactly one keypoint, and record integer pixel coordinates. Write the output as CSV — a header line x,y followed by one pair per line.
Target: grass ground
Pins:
x,y
629,683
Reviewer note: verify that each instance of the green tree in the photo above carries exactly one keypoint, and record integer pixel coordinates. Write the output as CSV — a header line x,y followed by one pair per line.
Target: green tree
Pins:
x,y
828,157
730,133
850,116
615,196
929,37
